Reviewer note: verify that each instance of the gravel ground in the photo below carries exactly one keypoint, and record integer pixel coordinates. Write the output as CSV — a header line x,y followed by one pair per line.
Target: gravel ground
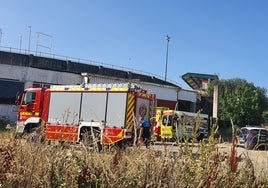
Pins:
x,y
259,158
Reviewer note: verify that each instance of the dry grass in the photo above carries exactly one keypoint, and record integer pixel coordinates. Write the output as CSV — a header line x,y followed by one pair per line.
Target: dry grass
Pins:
x,y
27,164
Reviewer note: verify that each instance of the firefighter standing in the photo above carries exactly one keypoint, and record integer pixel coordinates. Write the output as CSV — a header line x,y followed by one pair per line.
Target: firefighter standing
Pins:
x,y
145,132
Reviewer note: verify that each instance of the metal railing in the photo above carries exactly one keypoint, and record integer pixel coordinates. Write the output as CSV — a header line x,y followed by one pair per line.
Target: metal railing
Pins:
x,y
80,60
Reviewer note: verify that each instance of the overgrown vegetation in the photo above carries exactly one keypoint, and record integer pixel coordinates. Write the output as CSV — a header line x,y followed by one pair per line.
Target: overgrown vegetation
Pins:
x,y
241,101
27,164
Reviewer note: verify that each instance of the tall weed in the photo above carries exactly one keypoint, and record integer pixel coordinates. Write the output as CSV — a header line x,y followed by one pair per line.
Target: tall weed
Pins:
x,y
28,164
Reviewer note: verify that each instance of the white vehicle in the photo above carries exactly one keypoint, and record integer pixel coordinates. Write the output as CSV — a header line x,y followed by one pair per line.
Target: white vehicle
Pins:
x,y
251,137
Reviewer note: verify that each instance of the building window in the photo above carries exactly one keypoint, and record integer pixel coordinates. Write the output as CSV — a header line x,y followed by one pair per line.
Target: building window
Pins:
x,y
9,89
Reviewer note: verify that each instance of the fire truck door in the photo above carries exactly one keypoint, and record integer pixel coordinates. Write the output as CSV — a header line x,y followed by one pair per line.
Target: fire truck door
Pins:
x,y
116,109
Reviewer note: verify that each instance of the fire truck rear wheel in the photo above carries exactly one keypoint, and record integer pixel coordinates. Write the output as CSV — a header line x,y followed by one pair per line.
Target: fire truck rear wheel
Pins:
x,y
90,137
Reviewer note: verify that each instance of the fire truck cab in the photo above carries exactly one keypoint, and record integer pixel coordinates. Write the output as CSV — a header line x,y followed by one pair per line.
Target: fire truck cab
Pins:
x,y
30,111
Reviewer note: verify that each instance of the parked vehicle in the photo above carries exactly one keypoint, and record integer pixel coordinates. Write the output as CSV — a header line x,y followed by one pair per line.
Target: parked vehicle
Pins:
x,y
181,125
69,112
157,122
252,137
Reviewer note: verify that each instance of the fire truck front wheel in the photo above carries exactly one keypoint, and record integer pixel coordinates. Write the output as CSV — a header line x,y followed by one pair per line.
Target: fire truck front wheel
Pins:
x,y
30,127
36,135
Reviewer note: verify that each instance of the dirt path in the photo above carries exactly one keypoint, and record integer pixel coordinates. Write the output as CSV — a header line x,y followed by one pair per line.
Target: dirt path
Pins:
x,y
258,158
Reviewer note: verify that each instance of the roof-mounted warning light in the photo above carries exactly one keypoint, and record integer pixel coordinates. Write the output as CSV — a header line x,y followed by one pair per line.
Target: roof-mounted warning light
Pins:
x,y
86,76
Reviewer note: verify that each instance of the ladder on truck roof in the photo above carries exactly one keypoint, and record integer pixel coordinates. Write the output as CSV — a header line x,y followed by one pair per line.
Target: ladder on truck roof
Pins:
x,y
98,87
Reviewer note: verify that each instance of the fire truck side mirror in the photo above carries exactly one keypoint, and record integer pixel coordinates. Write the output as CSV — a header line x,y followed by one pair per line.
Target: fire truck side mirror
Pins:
x,y
18,98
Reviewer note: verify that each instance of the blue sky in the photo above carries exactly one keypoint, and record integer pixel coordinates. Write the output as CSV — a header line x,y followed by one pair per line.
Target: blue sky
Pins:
x,y
228,38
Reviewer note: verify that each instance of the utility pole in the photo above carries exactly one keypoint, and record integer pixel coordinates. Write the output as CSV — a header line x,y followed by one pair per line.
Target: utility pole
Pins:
x,y
29,45
0,36
20,40
167,38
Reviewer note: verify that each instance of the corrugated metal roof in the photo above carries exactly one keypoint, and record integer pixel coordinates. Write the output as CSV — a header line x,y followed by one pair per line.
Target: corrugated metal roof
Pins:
x,y
195,80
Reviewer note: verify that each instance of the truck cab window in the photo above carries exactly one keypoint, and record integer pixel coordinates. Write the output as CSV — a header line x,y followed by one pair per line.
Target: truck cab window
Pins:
x,y
167,120
29,97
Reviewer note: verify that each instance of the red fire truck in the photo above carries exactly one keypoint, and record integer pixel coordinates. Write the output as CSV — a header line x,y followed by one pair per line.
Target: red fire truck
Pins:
x,y
68,111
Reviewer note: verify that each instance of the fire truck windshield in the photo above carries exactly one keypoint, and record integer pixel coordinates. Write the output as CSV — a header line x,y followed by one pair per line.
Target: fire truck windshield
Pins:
x,y
29,97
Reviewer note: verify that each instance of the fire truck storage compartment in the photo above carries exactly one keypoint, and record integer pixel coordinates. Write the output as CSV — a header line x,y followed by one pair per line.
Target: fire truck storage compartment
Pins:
x,y
64,107
93,107
108,107
116,109
70,107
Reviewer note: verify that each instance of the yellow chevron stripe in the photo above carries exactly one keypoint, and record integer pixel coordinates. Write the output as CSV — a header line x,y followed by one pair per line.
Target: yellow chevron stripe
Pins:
x,y
130,110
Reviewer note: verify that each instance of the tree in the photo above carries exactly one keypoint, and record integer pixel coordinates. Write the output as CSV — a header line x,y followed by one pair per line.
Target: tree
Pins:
x,y
241,101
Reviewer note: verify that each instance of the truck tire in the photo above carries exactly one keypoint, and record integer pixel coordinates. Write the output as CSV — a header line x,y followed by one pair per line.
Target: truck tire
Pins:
x,y
36,135
90,137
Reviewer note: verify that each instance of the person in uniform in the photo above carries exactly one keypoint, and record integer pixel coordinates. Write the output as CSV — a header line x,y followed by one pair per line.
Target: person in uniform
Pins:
x,y
145,132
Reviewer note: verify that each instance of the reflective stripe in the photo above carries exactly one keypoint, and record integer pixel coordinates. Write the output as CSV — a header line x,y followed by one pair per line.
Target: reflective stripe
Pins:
x,y
91,87
130,117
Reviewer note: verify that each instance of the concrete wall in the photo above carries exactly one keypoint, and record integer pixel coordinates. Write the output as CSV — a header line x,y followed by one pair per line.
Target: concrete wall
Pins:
x,y
68,66
29,74
9,113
